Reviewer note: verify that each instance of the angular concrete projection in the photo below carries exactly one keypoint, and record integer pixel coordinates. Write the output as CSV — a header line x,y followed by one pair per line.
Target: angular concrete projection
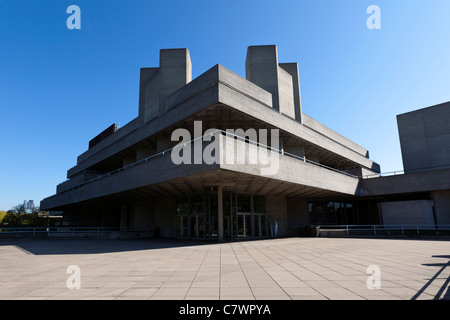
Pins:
x,y
286,93
425,138
175,70
281,81
292,69
261,68
148,94
156,84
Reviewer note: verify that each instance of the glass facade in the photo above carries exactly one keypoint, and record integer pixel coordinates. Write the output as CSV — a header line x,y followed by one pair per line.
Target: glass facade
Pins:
x,y
343,212
244,216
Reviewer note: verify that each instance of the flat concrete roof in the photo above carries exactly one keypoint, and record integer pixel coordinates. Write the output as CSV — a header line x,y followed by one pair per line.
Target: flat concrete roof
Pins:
x,y
274,269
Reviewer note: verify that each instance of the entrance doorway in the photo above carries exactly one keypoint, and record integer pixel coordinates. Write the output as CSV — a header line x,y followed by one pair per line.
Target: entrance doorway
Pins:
x,y
246,229
197,226
243,216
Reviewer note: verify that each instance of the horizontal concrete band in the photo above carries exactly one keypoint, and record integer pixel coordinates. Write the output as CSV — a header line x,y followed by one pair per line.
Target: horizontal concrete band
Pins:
x,y
283,168
231,97
234,156
151,172
406,183
219,85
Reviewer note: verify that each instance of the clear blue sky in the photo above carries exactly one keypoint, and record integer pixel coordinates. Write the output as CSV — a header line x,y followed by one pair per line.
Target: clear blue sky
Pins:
x,y
59,88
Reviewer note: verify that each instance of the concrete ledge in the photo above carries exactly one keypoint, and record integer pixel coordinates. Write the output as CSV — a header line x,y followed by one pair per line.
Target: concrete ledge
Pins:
x,y
289,169
231,96
150,172
333,135
406,183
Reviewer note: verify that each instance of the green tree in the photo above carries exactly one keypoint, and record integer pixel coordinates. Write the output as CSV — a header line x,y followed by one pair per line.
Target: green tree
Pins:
x,y
11,220
19,216
2,215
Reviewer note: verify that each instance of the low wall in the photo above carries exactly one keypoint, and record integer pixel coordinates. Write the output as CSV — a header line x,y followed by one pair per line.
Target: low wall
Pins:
x,y
137,234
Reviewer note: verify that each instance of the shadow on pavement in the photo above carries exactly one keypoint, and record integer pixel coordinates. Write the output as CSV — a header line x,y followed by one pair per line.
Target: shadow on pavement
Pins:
x,y
438,295
95,246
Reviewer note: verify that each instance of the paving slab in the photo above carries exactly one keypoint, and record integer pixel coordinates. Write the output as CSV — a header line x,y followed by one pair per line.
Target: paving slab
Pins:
x,y
272,269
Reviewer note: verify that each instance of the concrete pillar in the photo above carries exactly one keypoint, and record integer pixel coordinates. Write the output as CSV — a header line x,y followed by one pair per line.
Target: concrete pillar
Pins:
x,y
297,216
276,209
292,69
149,88
189,222
123,217
262,69
220,212
441,201
252,222
156,84
175,71
232,215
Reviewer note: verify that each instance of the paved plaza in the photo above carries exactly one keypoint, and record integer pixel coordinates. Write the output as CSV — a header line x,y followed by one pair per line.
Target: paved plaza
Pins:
x,y
290,268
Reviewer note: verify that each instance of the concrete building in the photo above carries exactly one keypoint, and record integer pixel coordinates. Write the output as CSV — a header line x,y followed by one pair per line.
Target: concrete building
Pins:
x,y
249,160
422,194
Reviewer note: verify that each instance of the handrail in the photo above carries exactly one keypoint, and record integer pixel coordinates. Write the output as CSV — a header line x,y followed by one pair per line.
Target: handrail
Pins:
x,y
384,227
401,172
383,174
226,133
69,230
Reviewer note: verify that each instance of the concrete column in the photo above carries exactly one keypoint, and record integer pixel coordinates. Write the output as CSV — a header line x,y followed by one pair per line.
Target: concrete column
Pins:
x,y
252,222
262,68
441,199
175,70
123,217
220,212
149,87
292,69
281,147
232,204
189,226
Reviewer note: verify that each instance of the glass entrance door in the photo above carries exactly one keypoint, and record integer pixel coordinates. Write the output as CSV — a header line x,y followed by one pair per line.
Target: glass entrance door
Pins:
x,y
197,226
244,225
260,225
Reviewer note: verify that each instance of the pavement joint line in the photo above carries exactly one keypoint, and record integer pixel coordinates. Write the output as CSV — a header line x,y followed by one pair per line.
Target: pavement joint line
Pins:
x,y
271,276
296,275
406,267
240,266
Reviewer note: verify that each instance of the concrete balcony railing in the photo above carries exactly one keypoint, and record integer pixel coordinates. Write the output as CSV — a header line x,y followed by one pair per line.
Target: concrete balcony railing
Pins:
x,y
78,183
158,168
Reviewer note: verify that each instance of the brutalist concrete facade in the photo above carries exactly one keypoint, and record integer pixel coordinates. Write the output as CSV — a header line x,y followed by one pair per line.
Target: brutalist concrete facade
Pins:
x,y
422,194
128,178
